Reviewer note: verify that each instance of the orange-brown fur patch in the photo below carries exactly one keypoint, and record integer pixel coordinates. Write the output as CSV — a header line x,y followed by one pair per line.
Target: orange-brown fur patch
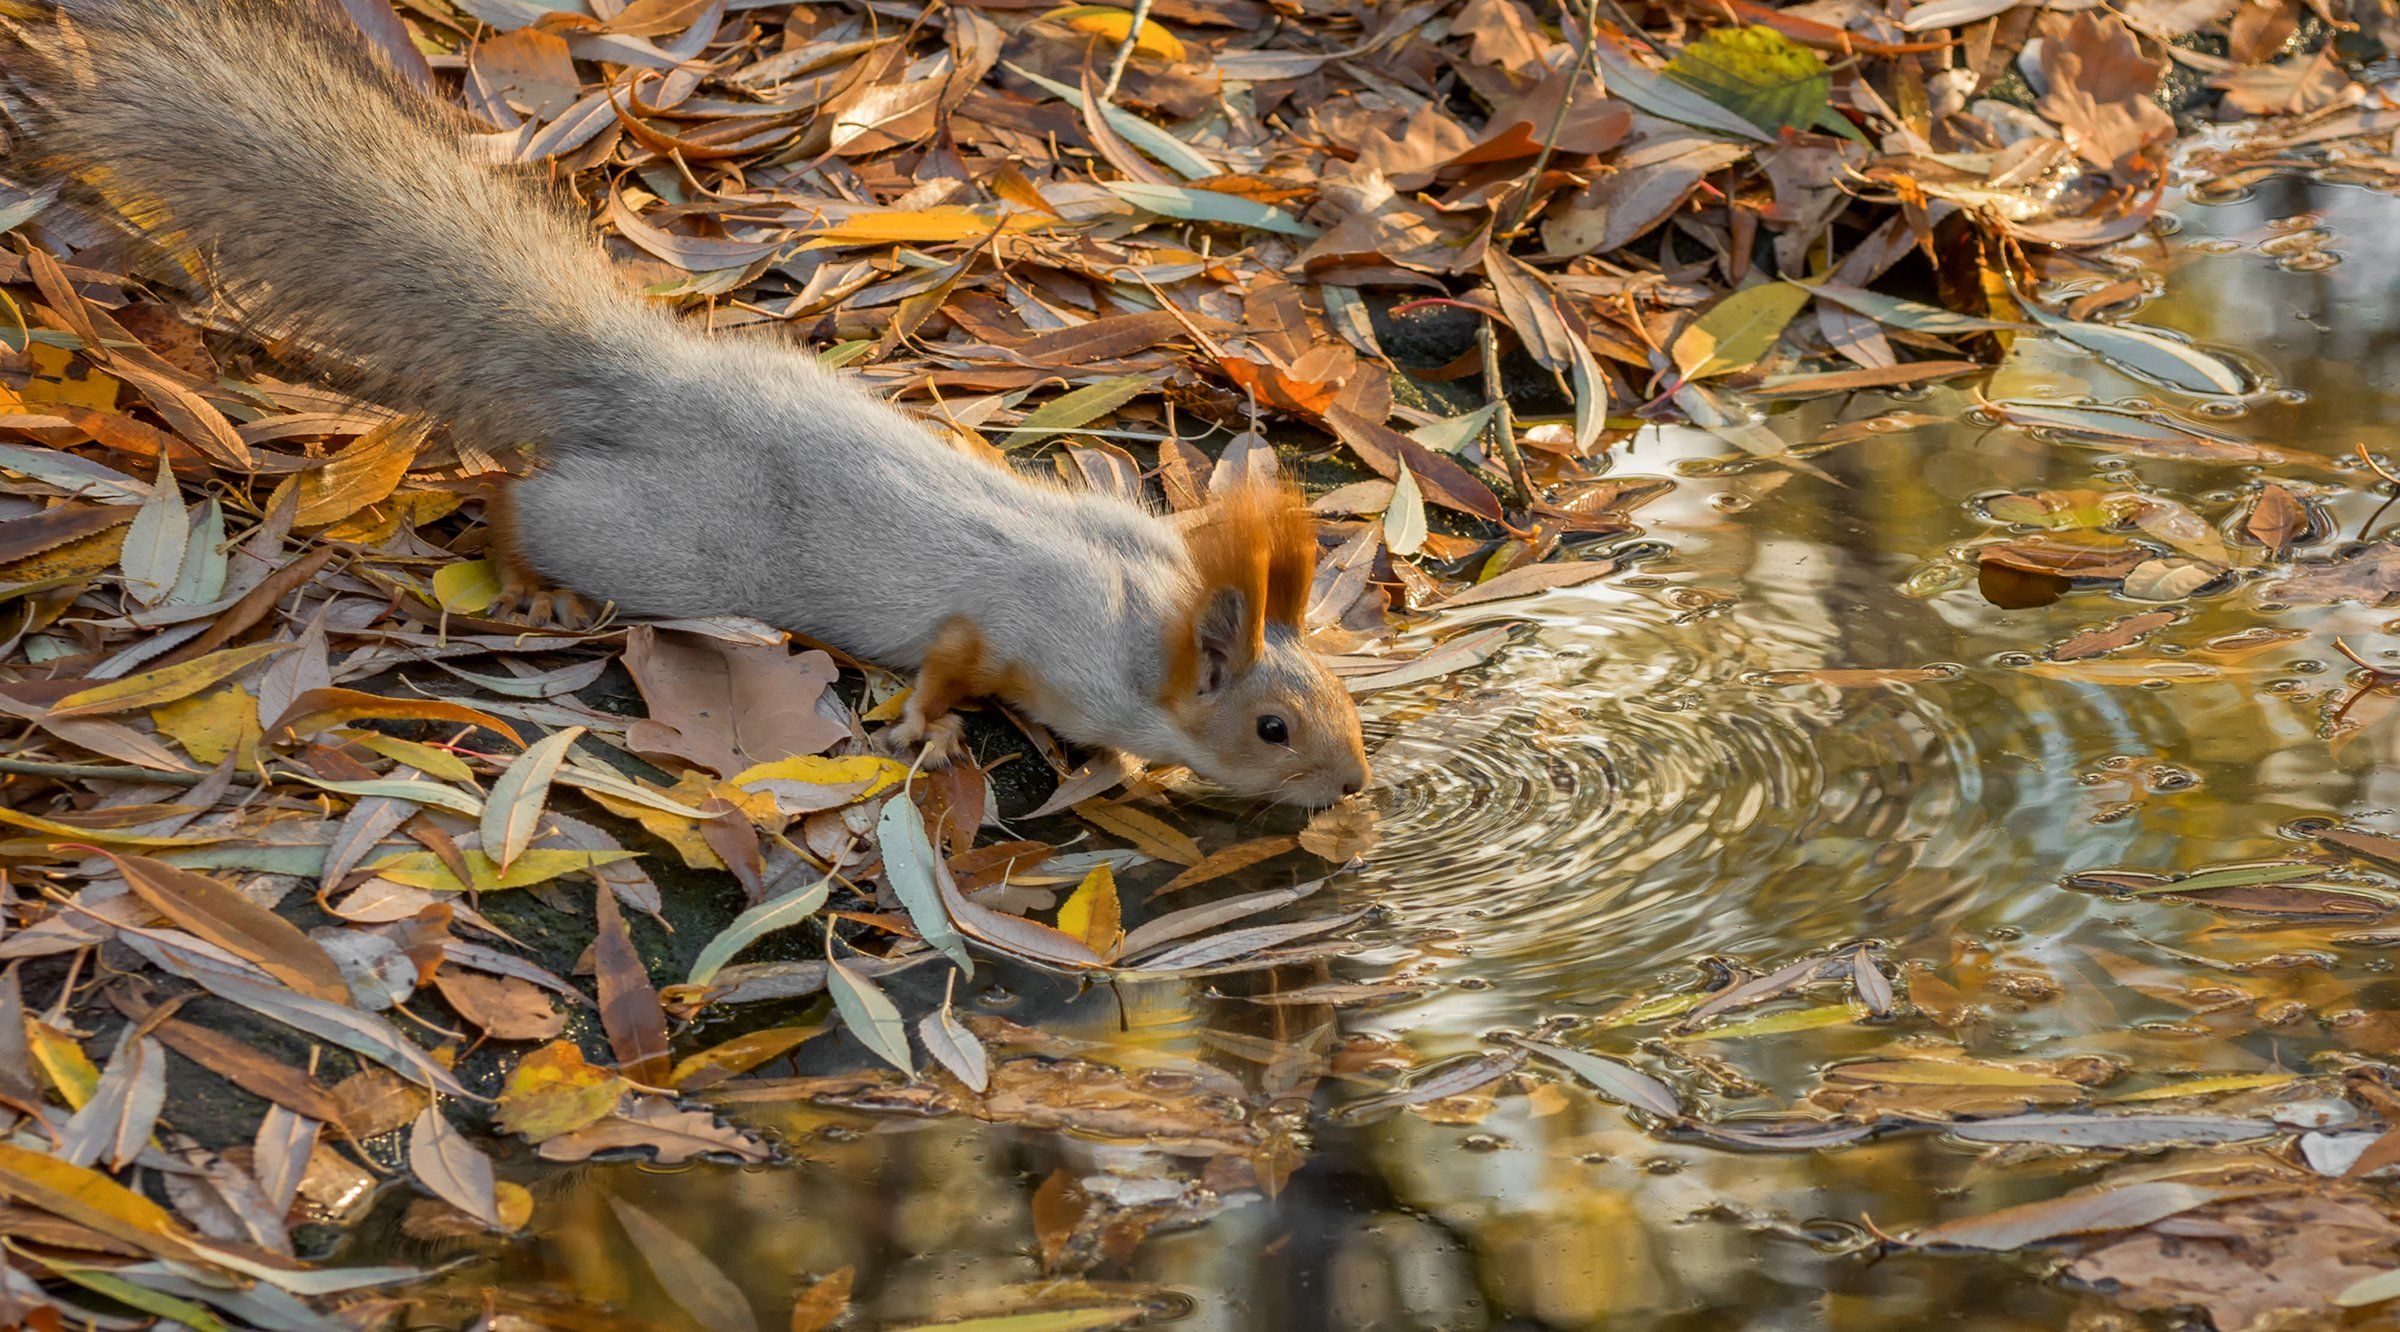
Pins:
x,y
1260,540
517,577
958,669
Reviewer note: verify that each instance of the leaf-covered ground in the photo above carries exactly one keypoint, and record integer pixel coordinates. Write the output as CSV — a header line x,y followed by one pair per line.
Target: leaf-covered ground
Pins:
x,y
322,864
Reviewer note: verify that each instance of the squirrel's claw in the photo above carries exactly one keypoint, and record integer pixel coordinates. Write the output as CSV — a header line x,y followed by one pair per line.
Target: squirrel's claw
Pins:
x,y
942,739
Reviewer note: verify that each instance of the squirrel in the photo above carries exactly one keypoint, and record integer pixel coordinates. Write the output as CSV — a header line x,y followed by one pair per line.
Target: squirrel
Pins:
x,y
675,473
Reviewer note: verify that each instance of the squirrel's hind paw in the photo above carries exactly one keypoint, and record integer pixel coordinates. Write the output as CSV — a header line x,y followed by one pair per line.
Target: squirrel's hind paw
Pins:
x,y
943,740
545,607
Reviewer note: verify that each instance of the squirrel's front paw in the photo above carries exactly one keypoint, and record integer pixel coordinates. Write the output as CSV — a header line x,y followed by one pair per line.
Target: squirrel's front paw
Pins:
x,y
943,740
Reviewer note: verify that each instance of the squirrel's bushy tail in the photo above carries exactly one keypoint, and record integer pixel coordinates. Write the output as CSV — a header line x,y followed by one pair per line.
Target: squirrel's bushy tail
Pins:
x,y
268,142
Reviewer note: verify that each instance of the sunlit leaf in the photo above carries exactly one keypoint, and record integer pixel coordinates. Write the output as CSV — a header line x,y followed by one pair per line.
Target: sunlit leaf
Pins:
x,y
1737,331
776,913
513,811
870,1016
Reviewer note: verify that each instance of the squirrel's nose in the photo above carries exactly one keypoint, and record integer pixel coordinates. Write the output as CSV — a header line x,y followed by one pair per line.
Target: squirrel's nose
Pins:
x,y
1352,788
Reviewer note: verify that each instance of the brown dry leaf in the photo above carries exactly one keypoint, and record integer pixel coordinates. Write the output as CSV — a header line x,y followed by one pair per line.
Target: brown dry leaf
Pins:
x,y
824,1302
725,707
2369,575
236,924
2101,94
1228,860
2277,518
506,1008
2252,1264
2296,86
652,1123
2122,632
364,473
629,1007
1341,833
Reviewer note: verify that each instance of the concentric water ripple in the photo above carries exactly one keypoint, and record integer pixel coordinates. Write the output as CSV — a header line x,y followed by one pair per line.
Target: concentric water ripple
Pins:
x,y
1630,786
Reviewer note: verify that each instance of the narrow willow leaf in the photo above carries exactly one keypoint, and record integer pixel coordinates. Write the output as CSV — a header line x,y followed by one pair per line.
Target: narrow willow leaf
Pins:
x,y
1737,331
514,810
690,1279
1190,205
747,928
1079,407
1912,315
2146,353
955,1048
1618,1082
1180,157
451,1168
1404,522
910,868
236,924
154,545
428,793
869,1015
202,578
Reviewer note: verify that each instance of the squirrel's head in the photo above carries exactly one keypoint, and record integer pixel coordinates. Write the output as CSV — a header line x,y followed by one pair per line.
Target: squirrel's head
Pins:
x,y
1263,716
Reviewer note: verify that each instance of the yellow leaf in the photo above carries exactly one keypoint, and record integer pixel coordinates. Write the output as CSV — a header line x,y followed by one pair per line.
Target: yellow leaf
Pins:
x,y
424,758
212,726
1103,21
364,473
1092,914
1776,1024
164,685
423,869
554,1091
80,558
90,1198
467,588
73,832
63,1061
59,377
872,775
903,226
891,709
514,1203
1156,838
739,1055
2209,1086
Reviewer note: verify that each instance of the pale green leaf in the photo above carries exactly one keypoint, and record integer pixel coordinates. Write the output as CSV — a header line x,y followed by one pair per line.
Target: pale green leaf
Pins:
x,y
1190,205
747,928
514,809
908,865
869,1015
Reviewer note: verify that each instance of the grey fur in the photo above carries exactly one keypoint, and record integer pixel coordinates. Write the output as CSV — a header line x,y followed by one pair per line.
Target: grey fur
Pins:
x,y
680,474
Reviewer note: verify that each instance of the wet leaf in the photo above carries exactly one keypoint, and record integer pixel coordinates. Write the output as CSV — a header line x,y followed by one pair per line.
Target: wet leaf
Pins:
x,y
2084,1212
1228,860
823,1303
2147,353
654,1124
553,1091
689,1278
2092,1130
739,1055
2122,632
869,1015
1617,1081
955,1048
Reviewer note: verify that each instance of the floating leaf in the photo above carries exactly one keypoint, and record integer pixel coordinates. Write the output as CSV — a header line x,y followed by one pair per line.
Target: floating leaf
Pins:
x,y
1619,1082
955,1048
2146,353
554,1091
2083,1212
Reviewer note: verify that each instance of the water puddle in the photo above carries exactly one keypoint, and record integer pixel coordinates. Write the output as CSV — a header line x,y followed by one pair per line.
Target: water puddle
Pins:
x,y
1777,734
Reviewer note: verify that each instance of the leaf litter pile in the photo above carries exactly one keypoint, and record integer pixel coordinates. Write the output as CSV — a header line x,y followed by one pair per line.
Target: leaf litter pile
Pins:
x,y
305,825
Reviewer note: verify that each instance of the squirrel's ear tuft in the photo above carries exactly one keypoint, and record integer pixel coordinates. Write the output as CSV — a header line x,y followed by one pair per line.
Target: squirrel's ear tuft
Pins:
x,y
1260,539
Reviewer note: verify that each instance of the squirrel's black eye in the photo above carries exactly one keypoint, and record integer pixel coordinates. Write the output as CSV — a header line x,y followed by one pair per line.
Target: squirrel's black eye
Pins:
x,y
1272,730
